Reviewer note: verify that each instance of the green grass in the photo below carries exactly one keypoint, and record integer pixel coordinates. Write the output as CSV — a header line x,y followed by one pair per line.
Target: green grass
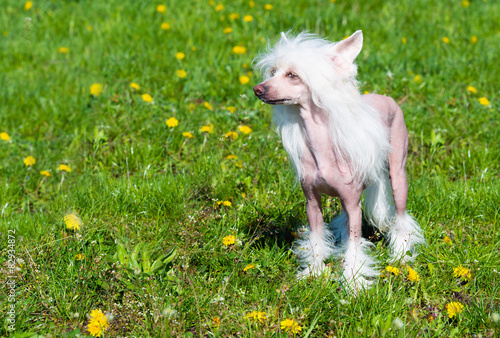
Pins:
x,y
143,189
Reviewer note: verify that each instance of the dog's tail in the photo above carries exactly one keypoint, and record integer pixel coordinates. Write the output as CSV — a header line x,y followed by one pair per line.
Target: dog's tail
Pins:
x,y
378,204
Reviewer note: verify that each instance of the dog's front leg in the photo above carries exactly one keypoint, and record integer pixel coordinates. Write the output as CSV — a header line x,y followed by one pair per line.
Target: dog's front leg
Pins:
x,y
316,244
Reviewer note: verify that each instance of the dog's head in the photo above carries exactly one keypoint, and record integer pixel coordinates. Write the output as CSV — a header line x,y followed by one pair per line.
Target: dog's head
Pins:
x,y
299,68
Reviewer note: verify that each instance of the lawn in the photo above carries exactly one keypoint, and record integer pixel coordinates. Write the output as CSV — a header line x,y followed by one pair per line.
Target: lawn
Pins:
x,y
144,192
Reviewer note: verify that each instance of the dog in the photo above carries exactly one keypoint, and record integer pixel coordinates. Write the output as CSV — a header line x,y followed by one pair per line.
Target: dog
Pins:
x,y
340,143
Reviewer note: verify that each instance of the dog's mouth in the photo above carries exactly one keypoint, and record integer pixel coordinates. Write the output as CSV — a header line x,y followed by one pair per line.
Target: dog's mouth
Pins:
x,y
280,101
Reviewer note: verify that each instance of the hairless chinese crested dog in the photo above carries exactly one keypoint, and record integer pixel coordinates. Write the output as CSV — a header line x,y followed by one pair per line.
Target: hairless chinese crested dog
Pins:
x,y
340,143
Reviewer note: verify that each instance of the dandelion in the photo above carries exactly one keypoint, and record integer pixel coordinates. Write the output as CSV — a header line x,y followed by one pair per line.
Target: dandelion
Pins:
x,y
290,325
187,134
248,18
232,134
225,203
258,316
207,105
251,3
472,89
89,28
98,323
234,16
161,8
229,240
207,129
28,5
445,39
239,50
165,26
216,321
412,275
417,79
231,109
180,56
146,98
219,8
79,257
63,50
393,270
453,309
484,101
462,273
72,221
181,73
64,167
172,122
495,317
231,157
447,240
29,161
96,89
227,30
249,266
4,137
403,40
135,86
239,164
268,7
45,173
465,3
244,79
473,39
245,129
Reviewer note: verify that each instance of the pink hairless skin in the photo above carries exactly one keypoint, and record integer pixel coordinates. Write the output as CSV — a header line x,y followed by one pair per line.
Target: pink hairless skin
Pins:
x,y
340,143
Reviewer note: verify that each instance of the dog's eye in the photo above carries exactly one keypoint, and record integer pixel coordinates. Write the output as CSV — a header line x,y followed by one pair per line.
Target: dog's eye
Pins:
x,y
273,71
292,75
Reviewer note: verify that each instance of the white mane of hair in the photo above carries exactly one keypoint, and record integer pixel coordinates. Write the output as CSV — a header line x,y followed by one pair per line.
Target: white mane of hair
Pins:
x,y
356,130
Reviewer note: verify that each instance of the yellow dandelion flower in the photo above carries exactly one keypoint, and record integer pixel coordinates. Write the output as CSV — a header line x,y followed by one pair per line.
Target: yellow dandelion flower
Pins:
x,y
89,28
462,273
244,79
207,129
245,129
181,73
45,173
227,30
234,16
248,18
445,39
216,321
207,105
135,86
147,98
72,221
64,167
79,257
417,79
268,7
404,41
63,50
180,56
472,89
238,164
98,323
465,3
165,26
231,109
231,157
172,122
393,270
29,161
453,309
161,8
229,240
447,240
251,3
96,89
473,39
232,134
239,50
219,8
258,316
249,266
28,5
412,275
4,136
290,325
187,134
484,101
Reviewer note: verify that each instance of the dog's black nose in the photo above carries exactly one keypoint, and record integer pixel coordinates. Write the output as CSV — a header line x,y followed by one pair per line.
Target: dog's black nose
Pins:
x,y
259,90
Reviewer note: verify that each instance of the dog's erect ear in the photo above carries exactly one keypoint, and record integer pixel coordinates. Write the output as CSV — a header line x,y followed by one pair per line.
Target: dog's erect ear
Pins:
x,y
348,49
